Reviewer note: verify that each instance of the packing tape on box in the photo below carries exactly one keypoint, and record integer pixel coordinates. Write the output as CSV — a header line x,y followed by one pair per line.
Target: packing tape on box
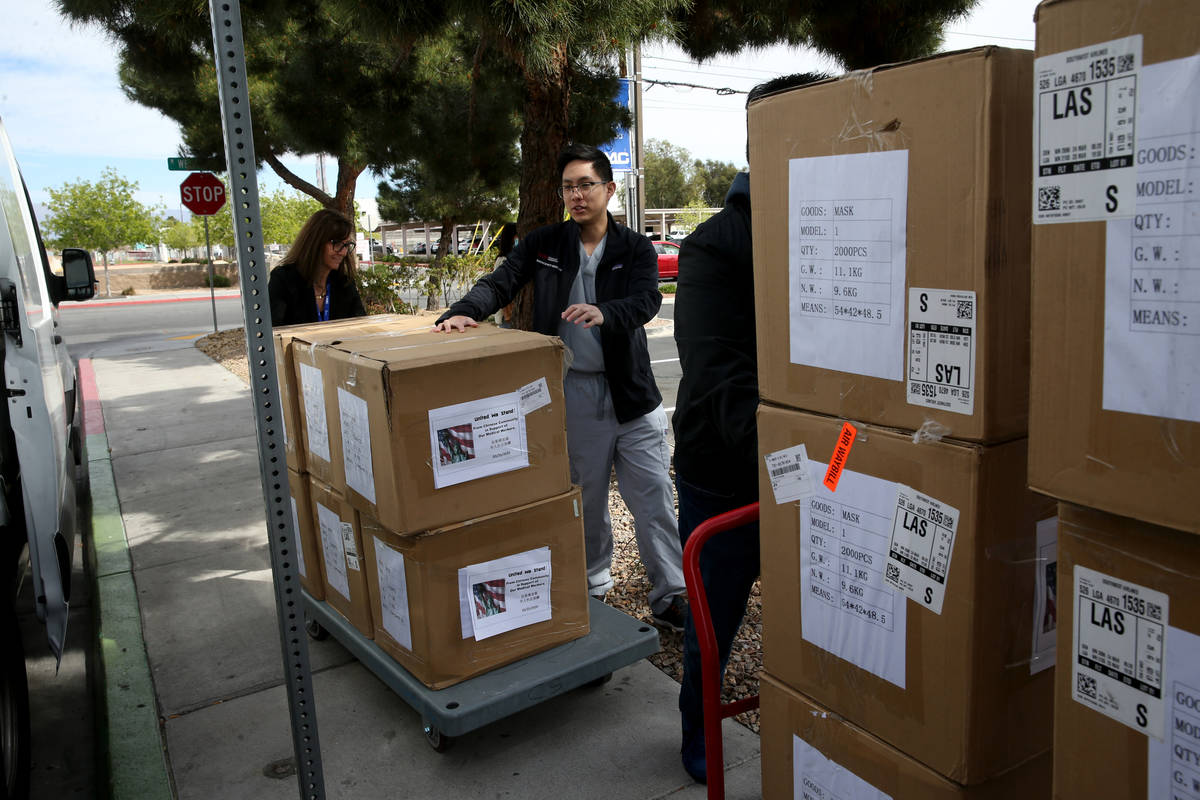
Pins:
x,y
931,432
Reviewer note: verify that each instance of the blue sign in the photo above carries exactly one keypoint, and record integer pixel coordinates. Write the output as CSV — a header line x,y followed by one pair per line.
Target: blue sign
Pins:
x,y
620,149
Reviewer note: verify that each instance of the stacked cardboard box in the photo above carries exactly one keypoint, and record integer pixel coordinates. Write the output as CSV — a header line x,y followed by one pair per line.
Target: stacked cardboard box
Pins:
x,y
1115,411
442,462
891,217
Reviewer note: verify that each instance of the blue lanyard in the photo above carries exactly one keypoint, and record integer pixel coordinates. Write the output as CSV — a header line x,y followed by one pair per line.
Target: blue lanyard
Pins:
x,y
323,315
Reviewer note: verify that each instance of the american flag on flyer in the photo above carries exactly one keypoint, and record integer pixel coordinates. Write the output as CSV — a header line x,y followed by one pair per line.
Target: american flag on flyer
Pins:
x,y
456,444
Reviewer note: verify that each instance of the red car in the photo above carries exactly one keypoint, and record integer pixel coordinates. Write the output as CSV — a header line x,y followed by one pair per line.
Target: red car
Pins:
x,y
668,259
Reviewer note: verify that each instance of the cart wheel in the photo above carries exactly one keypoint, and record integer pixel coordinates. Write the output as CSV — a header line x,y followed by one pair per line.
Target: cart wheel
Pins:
x,y
315,631
439,741
598,682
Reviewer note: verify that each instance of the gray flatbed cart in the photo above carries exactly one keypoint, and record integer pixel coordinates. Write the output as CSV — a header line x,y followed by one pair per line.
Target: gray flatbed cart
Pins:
x,y
616,640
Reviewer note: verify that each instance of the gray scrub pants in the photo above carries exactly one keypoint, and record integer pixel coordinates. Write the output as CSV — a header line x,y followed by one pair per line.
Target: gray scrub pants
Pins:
x,y
638,449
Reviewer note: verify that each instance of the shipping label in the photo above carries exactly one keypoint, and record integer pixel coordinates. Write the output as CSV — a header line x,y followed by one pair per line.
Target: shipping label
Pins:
x,y
505,594
1173,764
312,387
941,349
847,234
846,607
1152,269
333,548
350,546
816,777
477,439
393,593
1117,650
788,471
299,545
534,395
1045,599
1084,128
920,547
356,444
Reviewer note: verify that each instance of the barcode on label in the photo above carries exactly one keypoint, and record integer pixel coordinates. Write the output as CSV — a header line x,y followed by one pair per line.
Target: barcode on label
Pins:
x,y
1049,198
1154,611
966,309
1087,685
784,470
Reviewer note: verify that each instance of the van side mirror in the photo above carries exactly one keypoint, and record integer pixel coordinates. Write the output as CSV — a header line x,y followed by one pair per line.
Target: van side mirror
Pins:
x,y
79,274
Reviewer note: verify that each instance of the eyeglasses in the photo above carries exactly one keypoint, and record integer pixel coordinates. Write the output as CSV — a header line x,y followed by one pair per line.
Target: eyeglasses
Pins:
x,y
342,247
582,189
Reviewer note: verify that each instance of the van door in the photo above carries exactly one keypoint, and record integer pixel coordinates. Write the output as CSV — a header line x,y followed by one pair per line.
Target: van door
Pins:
x,y
33,385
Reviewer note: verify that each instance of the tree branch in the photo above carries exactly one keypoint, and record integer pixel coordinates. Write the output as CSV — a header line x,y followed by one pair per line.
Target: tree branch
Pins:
x,y
295,181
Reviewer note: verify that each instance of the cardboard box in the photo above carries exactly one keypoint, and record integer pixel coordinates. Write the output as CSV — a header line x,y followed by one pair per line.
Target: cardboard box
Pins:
x,y
417,585
342,562
427,429
1131,449
957,690
1095,754
291,401
809,751
308,549
830,236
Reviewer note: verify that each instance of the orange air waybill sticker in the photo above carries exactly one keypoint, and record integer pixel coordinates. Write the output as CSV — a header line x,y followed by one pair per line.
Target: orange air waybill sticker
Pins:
x,y
841,452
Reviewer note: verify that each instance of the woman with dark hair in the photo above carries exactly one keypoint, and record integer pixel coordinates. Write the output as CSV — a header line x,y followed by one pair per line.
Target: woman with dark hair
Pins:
x,y
315,282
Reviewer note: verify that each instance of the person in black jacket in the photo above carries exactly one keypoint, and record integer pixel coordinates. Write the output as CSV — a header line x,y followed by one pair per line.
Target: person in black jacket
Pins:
x,y
315,282
716,433
595,284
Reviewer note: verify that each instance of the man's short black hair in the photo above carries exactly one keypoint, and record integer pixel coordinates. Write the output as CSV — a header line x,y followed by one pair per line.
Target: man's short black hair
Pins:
x,y
783,82
585,152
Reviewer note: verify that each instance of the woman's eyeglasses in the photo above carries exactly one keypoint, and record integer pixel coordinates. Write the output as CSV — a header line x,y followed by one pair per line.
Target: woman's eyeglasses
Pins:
x,y
342,247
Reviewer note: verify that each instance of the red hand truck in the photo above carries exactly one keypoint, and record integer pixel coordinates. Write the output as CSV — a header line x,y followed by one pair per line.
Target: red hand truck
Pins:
x,y
710,664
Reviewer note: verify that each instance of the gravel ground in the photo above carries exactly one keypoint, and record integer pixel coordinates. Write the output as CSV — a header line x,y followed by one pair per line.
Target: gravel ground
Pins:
x,y
228,348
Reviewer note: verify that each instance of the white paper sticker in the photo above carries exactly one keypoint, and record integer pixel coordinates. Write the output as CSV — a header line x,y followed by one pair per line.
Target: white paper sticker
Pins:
x,y
1152,283
393,593
815,777
1045,597
847,233
299,544
1173,765
476,439
1117,650
350,546
312,389
920,547
356,444
789,474
941,349
506,593
1084,128
845,606
334,550
534,395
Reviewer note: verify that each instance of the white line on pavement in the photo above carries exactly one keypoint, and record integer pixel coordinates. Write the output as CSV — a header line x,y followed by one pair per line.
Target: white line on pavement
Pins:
x,y
665,360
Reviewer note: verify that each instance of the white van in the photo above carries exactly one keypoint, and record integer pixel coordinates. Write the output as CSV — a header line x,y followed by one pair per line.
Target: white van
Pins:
x,y
41,451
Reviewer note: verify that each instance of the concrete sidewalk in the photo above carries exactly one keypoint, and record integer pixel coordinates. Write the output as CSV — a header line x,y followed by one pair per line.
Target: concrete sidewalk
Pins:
x,y
184,470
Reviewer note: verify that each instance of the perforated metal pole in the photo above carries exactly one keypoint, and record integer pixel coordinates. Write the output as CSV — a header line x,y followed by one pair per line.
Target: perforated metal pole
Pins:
x,y
260,352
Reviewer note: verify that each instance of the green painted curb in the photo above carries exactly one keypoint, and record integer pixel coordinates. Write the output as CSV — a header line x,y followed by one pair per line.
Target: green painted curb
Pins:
x,y
132,751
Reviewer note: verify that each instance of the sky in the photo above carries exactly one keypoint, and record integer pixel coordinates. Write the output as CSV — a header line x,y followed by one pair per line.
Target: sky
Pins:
x,y
68,120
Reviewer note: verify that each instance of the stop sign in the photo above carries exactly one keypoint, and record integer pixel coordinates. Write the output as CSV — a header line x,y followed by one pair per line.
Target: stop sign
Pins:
x,y
202,193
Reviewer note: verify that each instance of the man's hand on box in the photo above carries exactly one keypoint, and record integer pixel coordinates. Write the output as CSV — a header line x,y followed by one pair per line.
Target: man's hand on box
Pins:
x,y
582,312
455,323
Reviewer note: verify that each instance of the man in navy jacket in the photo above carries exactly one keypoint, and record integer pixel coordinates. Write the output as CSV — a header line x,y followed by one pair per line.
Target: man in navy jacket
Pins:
x,y
595,285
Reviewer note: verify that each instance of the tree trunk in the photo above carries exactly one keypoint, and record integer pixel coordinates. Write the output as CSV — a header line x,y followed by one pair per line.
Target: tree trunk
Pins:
x,y
107,285
436,282
343,199
545,135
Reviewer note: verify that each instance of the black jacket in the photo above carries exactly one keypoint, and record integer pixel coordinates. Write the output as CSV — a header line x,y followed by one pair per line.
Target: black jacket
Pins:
x,y
716,436
293,302
626,294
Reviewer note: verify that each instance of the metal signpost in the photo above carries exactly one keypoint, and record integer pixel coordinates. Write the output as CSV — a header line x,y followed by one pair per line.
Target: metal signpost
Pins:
x,y
282,537
203,194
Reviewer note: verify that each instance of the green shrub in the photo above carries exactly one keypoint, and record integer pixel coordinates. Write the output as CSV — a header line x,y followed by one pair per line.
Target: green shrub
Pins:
x,y
382,284
128,291
220,281
667,288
